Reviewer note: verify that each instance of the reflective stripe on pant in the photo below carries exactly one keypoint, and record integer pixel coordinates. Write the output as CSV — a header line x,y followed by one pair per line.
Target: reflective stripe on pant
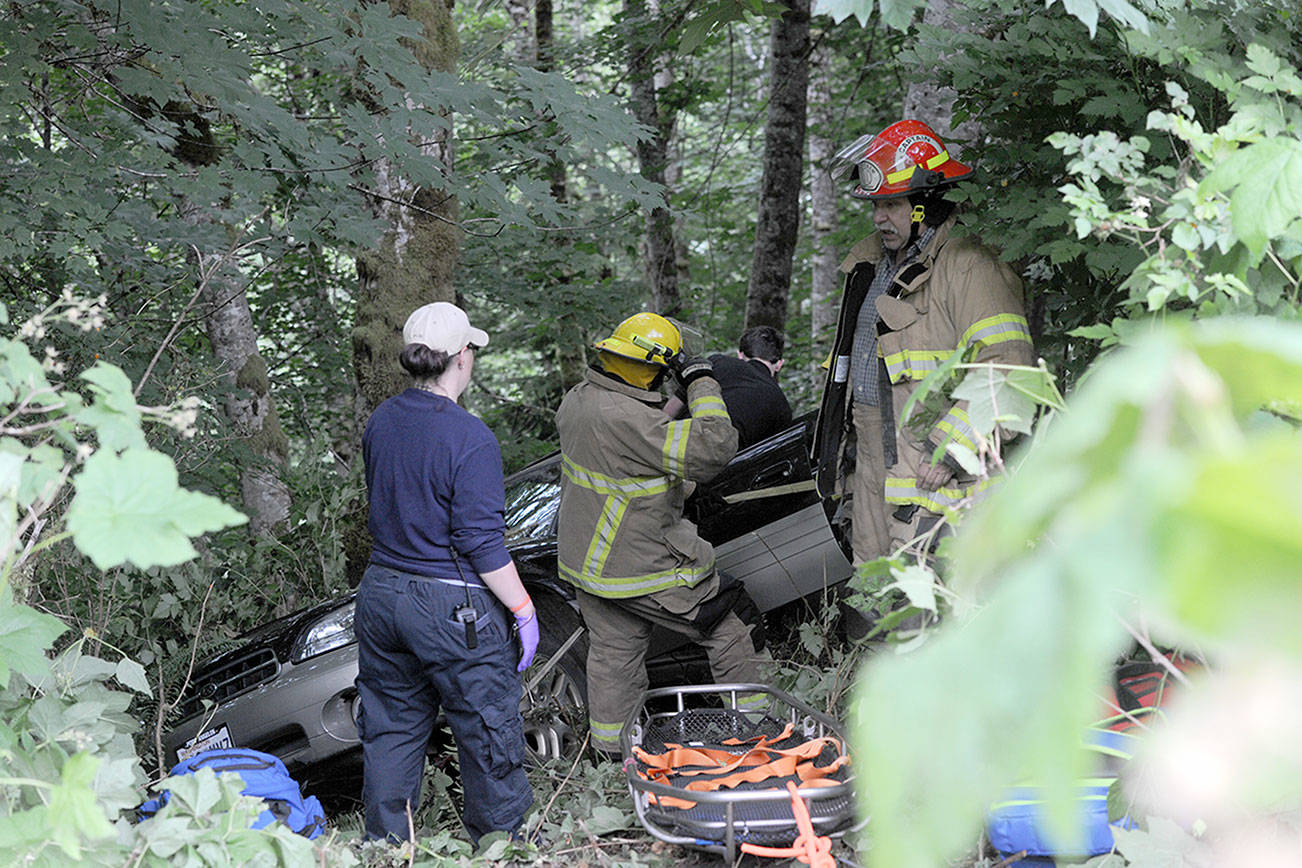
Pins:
x,y
869,524
412,660
618,633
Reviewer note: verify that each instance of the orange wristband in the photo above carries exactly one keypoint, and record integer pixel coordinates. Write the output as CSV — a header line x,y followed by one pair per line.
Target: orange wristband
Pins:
x,y
527,601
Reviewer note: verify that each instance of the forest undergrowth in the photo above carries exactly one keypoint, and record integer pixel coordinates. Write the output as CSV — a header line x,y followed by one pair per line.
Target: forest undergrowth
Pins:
x,y
583,814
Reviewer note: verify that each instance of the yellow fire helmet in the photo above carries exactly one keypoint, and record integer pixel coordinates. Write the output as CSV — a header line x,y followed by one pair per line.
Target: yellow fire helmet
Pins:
x,y
639,347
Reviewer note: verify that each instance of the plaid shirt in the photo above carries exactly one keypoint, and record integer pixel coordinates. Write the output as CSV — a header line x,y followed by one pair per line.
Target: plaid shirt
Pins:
x,y
863,353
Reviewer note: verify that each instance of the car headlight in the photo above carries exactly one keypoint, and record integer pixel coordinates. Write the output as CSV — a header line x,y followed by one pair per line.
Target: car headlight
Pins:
x,y
331,631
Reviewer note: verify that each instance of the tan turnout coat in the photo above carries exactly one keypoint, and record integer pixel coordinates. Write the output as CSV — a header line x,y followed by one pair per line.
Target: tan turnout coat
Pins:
x,y
627,470
956,297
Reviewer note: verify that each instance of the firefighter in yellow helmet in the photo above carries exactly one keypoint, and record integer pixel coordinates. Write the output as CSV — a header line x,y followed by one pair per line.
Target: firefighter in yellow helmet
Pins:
x,y
634,560
915,294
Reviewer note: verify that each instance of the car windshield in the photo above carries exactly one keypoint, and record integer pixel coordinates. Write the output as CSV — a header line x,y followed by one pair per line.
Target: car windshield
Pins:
x,y
531,504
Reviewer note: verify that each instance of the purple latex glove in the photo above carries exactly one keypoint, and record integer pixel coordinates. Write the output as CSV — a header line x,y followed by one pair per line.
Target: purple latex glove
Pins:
x,y
526,629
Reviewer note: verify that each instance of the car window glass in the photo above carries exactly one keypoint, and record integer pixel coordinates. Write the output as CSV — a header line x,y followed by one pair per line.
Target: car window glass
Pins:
x,y
531,504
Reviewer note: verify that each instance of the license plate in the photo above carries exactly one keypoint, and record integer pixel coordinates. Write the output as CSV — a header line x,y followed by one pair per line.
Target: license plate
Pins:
x,y
209,739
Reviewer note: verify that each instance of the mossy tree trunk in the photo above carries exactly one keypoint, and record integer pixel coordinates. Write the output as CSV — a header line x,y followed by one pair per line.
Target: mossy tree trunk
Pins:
x,y
413,264
223,304
228,322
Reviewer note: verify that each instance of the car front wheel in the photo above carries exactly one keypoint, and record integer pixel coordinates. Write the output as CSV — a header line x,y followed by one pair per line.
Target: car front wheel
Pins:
x,y
554,704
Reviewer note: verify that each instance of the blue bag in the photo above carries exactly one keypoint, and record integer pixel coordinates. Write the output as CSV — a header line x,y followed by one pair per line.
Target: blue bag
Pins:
x,y
1017,822
264,777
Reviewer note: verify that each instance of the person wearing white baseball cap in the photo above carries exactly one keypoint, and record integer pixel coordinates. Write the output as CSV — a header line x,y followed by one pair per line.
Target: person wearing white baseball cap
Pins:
x,y
441,604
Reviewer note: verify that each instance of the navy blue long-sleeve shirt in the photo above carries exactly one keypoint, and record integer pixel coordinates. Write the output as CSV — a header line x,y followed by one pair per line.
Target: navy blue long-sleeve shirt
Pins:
x,y
434,476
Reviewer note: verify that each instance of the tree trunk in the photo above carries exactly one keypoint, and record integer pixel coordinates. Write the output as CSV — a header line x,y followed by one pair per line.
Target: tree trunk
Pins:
x,y
228,321
652,156
413,264
784,147
517,37
234,339
826,281
545,61
927,101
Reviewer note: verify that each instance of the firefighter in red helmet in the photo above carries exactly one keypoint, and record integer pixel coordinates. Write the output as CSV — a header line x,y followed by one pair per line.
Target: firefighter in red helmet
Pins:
x,y
914,295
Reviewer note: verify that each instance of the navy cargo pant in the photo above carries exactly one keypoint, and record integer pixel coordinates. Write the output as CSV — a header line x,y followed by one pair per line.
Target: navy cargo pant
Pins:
x,y
412,660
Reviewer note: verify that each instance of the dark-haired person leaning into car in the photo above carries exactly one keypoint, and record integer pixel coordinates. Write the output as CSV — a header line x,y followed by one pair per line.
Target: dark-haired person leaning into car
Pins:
x,y
441,602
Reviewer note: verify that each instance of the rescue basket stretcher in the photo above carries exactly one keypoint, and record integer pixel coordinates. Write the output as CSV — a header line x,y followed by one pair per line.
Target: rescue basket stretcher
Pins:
x,y
708,765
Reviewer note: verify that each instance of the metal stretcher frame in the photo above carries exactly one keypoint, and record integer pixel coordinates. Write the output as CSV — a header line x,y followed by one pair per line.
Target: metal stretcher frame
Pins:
x,y
808,723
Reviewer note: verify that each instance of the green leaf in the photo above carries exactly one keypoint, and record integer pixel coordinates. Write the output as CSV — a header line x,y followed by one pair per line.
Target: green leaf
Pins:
x,y
24,830
926,782
129,508
918,584
75,812
607,818
131,674
896,14
1086,11
1266,180
25,636
1239,518
992,400
113,412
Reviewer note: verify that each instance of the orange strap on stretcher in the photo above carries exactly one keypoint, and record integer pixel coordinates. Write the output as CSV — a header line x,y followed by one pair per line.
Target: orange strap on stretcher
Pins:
x,y
809,849
759,763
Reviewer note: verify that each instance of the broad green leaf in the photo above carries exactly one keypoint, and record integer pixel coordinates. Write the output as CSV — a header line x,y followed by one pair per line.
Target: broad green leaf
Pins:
x,y
1239,523
74,668
926,780
1086,11
1259,359
896,14
75,813
1266,180
991,399
129,508
21,375
918,584
132,675
1126,13
607,818
24,830
113,412
25,636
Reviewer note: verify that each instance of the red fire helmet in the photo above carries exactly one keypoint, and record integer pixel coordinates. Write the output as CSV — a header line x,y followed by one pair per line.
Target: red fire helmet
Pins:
x,y
906,157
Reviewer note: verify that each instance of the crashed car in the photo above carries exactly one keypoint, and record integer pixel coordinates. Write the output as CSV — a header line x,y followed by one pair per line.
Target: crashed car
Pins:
x,y
287,688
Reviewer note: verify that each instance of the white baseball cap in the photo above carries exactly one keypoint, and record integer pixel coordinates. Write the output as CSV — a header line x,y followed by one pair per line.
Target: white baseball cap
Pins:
x,y
442,326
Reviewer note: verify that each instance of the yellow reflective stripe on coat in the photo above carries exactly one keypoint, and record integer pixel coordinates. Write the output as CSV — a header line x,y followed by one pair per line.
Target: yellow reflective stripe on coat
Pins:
x,y
707,405
617,486
958,428
996,330
603,538
673,455
618,491
904,491
914,364
634,586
